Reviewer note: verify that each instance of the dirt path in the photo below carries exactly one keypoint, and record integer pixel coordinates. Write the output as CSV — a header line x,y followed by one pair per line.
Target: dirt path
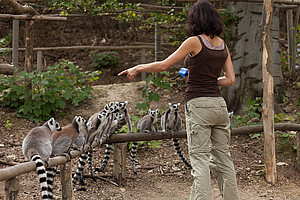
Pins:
x,y
161,174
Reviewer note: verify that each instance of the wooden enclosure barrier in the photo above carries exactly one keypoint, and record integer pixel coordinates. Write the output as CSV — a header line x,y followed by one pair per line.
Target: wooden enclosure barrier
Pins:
x,y
9,174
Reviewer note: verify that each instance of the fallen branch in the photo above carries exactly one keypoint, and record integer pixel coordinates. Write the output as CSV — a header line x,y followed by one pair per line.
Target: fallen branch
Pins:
x,y
6,69
101,178
23,9
3,162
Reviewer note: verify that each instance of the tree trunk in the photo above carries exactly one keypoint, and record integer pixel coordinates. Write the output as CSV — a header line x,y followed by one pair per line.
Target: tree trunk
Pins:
x,y
246,52
268,96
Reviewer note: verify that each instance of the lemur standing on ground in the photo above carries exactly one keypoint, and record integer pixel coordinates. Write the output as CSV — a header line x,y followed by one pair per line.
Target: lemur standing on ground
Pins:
x,y
144,125
37,147
171,122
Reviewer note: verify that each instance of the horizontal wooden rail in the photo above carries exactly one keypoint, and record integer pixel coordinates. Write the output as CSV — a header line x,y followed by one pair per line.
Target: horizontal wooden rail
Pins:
x,y
289,2
104,48
13,171
34,17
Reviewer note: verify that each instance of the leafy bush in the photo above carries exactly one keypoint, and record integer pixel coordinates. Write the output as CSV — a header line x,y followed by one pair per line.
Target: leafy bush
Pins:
x,y
104,59
5,42
51,90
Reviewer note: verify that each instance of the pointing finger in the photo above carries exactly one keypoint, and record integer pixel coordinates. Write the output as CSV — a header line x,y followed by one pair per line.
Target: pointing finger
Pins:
x,y
123,72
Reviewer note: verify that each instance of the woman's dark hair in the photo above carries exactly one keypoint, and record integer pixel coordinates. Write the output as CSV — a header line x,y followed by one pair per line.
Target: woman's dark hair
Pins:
x,y
203,17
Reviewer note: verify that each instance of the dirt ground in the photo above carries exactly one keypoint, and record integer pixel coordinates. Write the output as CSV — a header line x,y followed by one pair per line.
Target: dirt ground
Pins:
x,y
160,173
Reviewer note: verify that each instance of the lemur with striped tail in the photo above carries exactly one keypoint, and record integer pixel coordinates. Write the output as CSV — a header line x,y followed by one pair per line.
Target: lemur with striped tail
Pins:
x,y
108,147
63,141
37,147
94,123
99,125
144,125
171,122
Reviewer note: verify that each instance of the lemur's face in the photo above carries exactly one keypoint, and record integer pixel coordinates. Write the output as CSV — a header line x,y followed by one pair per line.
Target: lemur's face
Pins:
x,y
54,125
153,113
174,106
122,105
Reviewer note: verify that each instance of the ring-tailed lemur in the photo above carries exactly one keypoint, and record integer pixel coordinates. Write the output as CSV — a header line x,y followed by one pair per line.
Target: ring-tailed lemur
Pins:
x,y
37,147
121,106
144,125
99,125
63,141
94,123
171,121
79,142
108,147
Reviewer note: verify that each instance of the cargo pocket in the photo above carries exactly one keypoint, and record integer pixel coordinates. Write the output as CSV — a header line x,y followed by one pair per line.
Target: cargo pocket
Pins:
x,y
199,139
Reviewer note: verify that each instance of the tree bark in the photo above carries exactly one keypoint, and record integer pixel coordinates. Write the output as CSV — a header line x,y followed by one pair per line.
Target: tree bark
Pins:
x,y
119,171
66,181
12,187
268,96
23,9
246,52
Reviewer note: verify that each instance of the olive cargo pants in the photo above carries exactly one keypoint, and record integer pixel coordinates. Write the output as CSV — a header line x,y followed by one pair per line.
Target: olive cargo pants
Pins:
x,y
208,136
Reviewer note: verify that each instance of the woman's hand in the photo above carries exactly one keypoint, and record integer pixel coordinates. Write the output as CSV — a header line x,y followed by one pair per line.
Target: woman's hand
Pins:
x,y
131,73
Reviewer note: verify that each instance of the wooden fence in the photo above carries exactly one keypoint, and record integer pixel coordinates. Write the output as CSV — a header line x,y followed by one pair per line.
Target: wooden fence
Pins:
x,y
9,174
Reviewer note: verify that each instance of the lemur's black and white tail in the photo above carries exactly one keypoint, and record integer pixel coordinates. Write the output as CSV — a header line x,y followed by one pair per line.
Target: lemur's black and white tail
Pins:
x,y
90,158
133,154
108,148
78,176
180,152
51,172
42,176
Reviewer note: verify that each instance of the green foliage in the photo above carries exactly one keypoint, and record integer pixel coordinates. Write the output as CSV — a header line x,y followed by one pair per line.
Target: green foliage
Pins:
x,y
102,60
228,19
256,136
253,110
62,84
148,95
171,21
8,124
284,61
5,42
288,141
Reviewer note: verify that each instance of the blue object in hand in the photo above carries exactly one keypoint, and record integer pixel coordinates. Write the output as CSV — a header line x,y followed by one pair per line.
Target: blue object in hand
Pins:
x,y
183,72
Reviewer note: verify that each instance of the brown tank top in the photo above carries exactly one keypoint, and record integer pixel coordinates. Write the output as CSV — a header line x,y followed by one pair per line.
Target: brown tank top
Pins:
x,y
204,70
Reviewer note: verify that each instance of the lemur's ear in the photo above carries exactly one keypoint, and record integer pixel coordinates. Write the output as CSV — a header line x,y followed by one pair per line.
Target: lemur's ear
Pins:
x,y
169,104
156,111
178,104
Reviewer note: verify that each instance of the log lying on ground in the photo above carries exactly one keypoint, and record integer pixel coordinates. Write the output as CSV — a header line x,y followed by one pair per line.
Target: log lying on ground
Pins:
x,y
11,172
6,69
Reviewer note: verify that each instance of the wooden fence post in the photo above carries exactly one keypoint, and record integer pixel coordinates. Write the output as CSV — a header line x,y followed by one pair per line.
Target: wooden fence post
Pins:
x,y
66,181
11,189
15,44
298,150
268,94
119,170
143,60
39,60
289,21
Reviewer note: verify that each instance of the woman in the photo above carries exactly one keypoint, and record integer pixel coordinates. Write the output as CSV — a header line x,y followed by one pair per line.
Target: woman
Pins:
x,y
207,121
